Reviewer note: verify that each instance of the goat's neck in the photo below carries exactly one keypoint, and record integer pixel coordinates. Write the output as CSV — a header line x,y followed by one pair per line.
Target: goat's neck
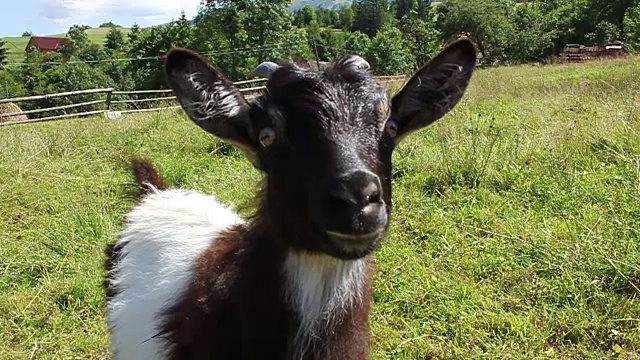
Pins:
x,y
322,291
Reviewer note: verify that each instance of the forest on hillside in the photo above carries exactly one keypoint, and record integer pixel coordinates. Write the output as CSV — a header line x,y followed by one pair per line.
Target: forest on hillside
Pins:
x,y
395,37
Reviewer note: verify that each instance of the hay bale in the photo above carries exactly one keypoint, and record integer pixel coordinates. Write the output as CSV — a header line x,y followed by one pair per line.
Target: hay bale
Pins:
x,y
11,108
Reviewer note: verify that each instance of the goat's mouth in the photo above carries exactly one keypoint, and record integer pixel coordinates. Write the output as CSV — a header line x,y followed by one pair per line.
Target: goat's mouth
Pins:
x,y
359,238
352,246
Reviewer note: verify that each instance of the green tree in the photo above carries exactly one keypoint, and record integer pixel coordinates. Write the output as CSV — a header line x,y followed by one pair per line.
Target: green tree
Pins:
x,y
78,34
33,76
371,16
632,27
109,24
585,21
304,16
3,52
331,44
71,77
357,43
403,7
484,21
424,8
346,18
115,39
134,34
157,41
421,37
387,53
533,40
10,85
221,26
27,34
244,23
609,15
327,17
267,22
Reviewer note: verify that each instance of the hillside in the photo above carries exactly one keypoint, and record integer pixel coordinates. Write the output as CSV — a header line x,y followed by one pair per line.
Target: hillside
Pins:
x,y
327,4
16,45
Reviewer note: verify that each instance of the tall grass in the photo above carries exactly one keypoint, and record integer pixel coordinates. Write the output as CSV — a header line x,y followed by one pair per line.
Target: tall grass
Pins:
x,y
515,230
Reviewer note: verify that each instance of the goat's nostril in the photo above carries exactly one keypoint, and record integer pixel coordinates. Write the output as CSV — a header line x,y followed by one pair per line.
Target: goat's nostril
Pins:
x,y
371,193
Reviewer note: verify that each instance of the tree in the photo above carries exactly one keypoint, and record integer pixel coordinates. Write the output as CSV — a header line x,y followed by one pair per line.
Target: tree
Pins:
x,y
533,40
370,16
331,44
609,15
387,53
221,26
71,77
424,8
327,17
484,21
244,23
3,52
27,34
134,34
632,27
115,39
357,43
157,41
403,7
346,18
78,34
109,24
10,85
304,16
421,37
267,22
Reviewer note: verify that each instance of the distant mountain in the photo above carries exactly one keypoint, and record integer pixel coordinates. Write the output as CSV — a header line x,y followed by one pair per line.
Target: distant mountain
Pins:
x,y
327,4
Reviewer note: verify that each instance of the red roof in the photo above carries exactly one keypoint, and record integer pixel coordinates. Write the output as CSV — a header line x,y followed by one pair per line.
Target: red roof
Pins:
x,y
46,43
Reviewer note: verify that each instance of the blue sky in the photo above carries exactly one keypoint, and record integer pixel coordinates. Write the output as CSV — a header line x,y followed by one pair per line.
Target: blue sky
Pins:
x,y
43,17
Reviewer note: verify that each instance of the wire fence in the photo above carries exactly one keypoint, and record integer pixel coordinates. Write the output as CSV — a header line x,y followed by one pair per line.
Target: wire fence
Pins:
x,y
113,104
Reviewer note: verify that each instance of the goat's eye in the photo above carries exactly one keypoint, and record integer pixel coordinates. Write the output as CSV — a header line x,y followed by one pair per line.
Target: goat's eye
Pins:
x,y
391,128
266,136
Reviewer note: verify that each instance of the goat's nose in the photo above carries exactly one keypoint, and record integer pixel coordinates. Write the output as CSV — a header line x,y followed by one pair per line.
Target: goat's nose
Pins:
x,y
358,188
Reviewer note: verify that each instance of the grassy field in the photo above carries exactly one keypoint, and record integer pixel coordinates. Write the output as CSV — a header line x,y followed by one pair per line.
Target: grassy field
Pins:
x,y
516,232
16,45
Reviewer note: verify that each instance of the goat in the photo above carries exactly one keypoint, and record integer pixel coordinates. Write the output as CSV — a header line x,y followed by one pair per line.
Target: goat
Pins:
x,y
190,279
265,69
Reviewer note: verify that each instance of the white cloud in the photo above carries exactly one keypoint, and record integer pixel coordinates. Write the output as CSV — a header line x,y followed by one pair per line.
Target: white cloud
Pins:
x,y
143,12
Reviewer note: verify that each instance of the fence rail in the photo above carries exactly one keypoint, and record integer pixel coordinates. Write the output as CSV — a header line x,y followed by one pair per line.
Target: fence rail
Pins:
x,y
158,103
49,96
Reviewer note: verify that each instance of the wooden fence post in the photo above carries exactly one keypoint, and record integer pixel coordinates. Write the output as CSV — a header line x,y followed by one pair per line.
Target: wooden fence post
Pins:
x,y
109,94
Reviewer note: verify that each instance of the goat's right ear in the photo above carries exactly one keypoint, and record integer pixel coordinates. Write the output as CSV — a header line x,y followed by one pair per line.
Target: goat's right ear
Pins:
x,y
211,100
434,90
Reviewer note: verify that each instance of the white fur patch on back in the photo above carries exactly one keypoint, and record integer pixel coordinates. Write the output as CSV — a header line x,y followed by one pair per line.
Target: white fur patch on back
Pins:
x,y
162,238
320,289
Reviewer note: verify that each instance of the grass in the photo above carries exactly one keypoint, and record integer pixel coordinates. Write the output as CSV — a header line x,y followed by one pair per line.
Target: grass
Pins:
x,y
516,230
16,45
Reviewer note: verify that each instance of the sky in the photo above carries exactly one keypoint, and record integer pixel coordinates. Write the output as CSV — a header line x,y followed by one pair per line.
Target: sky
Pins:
x,y
45,17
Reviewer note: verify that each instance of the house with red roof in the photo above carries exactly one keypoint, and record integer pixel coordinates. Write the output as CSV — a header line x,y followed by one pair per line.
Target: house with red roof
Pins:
x,y
45,44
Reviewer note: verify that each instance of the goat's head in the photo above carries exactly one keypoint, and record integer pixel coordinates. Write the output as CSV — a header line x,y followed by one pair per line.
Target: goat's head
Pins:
x,y
324,140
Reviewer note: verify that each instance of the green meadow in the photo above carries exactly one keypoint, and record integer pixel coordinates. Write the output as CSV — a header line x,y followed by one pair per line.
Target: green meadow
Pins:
x,y
515,235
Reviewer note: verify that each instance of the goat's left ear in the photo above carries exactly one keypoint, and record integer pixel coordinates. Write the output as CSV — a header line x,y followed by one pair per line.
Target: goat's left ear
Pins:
x,y
433,90
211,100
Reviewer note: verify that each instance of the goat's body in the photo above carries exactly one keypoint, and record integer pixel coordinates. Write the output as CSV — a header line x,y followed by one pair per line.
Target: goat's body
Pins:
x,y
191,280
